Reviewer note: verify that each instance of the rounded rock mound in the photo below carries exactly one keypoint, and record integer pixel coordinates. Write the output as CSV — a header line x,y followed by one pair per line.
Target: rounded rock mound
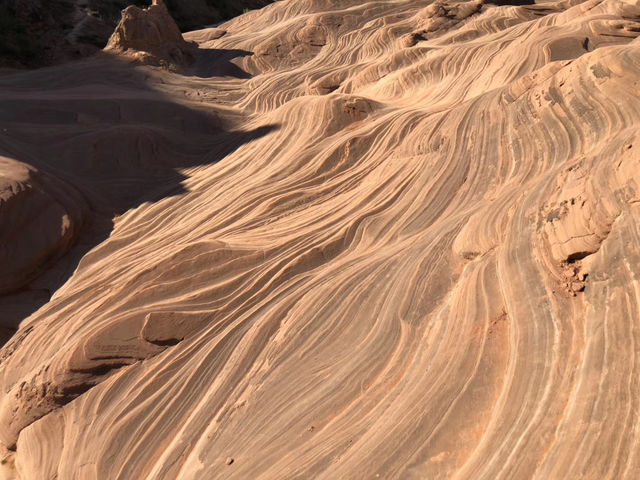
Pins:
x,y
39,221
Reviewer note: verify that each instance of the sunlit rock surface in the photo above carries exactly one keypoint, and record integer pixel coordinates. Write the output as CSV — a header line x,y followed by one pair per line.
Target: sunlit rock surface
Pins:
x,y
357,240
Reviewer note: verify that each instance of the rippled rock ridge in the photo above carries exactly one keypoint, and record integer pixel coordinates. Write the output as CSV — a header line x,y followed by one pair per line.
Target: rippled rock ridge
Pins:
x,y
395,240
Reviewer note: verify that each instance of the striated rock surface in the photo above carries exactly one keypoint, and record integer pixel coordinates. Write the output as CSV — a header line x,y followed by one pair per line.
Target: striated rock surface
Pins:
x,y
393,240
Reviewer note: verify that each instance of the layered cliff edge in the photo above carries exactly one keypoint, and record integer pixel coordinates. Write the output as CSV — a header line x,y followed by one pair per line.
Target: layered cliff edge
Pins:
x,y
352,240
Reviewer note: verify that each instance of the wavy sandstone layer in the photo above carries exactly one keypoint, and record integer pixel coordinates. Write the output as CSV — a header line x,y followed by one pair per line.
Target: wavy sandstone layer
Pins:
x,y
358,240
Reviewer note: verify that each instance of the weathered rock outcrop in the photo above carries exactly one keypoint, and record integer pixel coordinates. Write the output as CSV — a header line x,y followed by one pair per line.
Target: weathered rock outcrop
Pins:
x,y
151,36
37,33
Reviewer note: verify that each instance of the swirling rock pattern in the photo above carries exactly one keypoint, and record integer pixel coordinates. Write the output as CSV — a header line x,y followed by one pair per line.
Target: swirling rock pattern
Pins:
x,y
428,270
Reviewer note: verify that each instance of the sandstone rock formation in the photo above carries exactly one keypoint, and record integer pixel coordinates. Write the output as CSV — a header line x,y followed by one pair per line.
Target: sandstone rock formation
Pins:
x,y
404,245
151,36
39,221
34,33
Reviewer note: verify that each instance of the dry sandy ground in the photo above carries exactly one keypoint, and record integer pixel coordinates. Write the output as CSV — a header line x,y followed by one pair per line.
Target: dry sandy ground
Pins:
x,y
358,240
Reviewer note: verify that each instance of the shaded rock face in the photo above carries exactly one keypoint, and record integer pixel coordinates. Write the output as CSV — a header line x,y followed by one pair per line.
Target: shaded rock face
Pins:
x,y
91,31
193,14
39,221
36,33
150,35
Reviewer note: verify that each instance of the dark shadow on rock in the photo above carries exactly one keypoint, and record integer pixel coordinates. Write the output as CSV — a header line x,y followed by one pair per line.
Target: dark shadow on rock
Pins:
x,y
217,63
103,128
